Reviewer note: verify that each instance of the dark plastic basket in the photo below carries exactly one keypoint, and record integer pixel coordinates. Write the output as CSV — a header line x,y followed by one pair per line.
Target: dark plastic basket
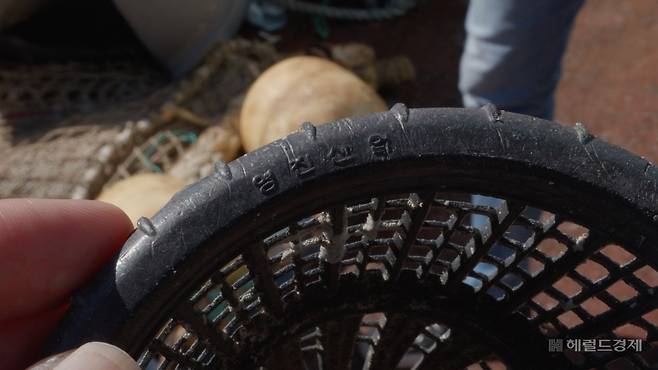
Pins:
x,y
359,245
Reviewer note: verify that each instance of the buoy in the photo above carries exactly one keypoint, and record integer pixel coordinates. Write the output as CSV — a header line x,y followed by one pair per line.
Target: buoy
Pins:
x,y
302,89
142,194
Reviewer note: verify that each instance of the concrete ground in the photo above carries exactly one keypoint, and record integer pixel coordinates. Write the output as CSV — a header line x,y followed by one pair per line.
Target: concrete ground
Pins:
x,y
610,78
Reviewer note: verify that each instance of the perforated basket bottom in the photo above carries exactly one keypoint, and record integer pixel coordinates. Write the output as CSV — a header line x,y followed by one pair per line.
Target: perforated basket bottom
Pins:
x,y
420,281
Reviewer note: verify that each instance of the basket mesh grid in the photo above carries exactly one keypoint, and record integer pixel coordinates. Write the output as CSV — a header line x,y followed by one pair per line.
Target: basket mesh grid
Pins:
x,y
565,279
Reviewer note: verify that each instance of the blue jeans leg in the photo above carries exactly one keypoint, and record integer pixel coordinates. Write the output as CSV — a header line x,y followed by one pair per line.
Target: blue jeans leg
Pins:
x,y
513,52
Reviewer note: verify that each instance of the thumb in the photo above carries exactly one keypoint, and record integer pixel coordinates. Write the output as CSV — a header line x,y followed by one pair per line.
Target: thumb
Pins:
x,y
91,356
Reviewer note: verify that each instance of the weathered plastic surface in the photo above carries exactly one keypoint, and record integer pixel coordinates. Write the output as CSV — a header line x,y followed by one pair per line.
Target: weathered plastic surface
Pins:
x,y
595,178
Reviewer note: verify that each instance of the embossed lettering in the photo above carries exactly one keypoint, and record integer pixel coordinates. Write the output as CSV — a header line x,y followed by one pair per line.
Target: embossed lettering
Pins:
x,y
341,155
266,183
379,145
302,166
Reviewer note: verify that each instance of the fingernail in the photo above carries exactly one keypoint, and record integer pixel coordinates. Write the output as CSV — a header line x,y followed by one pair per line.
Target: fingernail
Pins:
x,y
97,356
49,363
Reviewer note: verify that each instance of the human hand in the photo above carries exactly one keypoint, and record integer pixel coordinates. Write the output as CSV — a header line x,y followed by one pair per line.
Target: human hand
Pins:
x,y
48,249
